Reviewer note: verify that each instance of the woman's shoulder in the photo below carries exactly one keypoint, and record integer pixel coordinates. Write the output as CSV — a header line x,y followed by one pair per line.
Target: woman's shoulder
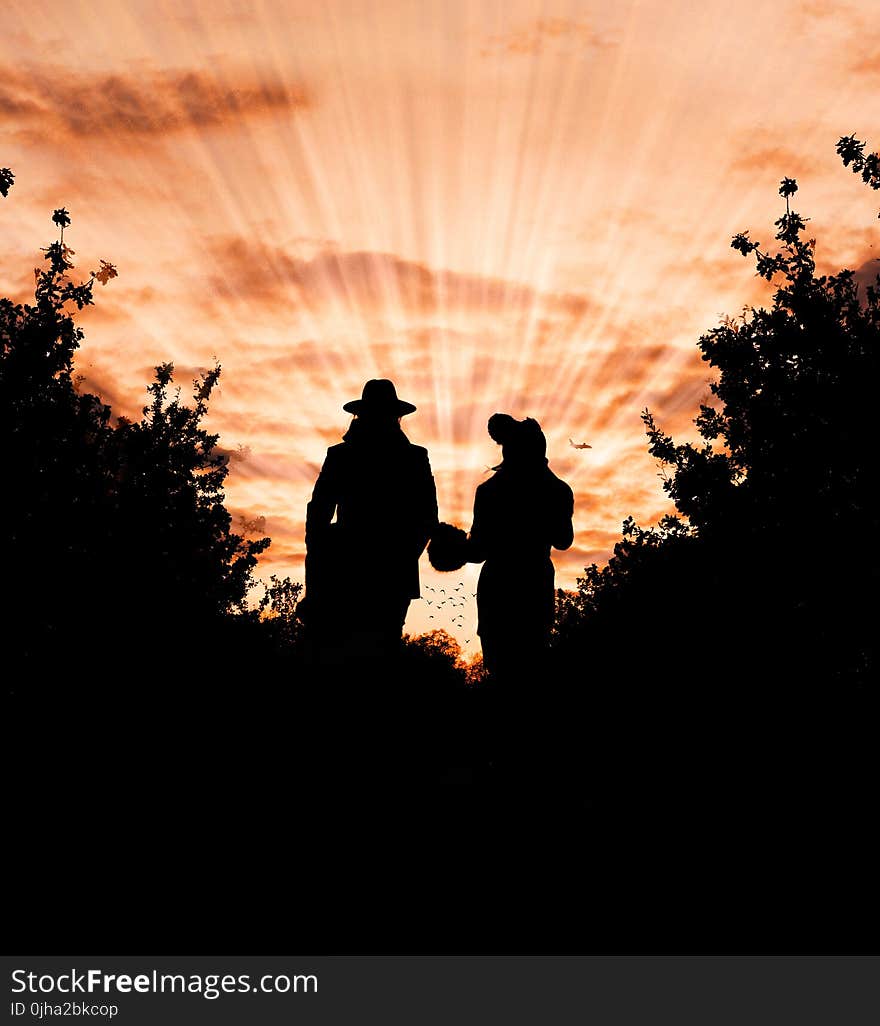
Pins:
x,y
562,486
562,489
493,485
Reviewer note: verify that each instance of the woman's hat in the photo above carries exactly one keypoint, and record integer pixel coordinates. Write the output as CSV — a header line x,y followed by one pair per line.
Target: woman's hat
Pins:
x,y
519,439
379,396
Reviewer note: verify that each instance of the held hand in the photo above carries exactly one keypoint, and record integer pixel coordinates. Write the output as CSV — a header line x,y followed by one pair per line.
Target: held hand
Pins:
x,y
448,548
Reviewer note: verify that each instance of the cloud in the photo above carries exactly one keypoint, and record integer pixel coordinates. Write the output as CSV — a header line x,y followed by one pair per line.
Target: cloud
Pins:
x,y
806,12
287,551
99,380
14,106
144,102
582,556
866,274
547,34
270,466
868,62
233,14
372,281
758,153
19,283
123,305
857,35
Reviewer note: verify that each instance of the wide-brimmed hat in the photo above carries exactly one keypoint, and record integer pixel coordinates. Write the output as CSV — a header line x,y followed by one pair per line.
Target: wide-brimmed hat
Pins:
x,y
379,396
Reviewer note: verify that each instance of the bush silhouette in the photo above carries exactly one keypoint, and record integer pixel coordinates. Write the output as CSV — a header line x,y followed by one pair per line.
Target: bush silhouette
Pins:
x,y
761,577
119,549
714,682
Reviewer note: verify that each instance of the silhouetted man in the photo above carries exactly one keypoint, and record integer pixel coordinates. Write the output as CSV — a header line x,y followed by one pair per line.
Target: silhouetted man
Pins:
x,y
522,511
362,571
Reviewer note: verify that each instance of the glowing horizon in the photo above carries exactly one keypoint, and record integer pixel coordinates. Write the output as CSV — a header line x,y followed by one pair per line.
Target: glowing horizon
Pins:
x,y
510,207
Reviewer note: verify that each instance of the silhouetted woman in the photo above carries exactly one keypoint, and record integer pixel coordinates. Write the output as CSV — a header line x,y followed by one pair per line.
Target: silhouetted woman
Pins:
x,y
362,571
520,513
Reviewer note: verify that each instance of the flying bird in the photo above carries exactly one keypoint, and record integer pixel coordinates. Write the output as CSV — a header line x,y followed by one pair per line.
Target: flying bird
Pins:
x,y
578,445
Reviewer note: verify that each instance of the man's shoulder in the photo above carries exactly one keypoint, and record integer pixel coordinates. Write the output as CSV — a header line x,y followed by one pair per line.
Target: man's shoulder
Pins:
x,y
336,454
413,455
342,451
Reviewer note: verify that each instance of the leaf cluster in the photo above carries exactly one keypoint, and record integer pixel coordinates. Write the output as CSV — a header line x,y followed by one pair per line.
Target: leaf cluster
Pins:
x,y
852,151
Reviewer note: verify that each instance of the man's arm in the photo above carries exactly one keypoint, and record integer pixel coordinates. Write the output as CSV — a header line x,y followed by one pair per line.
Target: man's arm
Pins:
x,y
325,495
427,505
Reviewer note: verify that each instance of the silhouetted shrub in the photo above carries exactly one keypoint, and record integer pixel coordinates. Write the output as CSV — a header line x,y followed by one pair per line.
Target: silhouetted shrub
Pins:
x,y
762,578
118,548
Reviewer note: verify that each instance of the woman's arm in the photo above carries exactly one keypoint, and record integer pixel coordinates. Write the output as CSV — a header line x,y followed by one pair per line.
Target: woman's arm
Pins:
x,y
476,544
561,526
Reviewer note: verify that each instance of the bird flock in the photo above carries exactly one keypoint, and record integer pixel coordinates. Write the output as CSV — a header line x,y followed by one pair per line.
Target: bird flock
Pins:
x,y
455,598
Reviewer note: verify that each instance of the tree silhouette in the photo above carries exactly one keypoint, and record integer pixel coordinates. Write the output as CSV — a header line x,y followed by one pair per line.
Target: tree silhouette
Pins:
x,y
716,675
115,538
434,661
767,563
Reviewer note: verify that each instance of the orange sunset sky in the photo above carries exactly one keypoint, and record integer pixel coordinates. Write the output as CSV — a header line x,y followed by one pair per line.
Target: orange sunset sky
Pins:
x,y
503,206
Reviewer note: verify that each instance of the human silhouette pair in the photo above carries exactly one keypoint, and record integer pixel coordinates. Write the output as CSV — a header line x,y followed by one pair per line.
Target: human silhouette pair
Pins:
x,y
362,567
